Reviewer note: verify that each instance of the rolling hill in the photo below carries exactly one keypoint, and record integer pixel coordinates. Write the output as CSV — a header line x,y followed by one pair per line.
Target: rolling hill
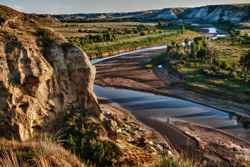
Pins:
x,y
212,14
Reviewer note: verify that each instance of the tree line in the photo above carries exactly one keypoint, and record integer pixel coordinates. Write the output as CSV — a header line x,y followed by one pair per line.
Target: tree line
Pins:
x,y
200,50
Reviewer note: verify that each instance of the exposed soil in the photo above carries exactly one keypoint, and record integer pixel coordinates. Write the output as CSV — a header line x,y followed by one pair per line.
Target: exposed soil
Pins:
x,y
203,143
140,145
129,72
210,144
194,141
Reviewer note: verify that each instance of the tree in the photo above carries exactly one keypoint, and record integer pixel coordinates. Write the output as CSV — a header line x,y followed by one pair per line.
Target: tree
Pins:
x,y
160,25
198,48
183,29
235,35
245,64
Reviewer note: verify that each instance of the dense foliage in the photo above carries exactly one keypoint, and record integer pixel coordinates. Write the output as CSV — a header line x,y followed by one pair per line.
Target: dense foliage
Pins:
x,y
82,137
110,34
105,37
220,67
245,63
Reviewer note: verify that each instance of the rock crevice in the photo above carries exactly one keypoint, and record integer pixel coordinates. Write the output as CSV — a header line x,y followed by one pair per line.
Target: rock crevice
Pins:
x,y
41,76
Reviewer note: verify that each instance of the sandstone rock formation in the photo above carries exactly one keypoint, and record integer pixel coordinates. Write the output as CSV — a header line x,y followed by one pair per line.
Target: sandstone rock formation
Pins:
x,y
41,76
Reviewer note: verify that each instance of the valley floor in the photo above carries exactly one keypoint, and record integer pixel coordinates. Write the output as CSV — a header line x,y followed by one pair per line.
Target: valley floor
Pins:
x,y
129,72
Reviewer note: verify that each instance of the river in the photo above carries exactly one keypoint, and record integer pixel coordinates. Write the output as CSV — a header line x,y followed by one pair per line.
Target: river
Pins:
x,y
164,108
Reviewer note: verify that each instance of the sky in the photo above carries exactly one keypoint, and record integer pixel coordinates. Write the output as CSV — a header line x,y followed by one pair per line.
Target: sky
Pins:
x,y
93,6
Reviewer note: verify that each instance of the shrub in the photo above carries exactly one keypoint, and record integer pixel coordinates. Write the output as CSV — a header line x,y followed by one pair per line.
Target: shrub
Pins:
x,y
245,64
81,41
2,18
80,30
158,59
45,36
81,136
142,33
141,28
214,68
224,65
103,153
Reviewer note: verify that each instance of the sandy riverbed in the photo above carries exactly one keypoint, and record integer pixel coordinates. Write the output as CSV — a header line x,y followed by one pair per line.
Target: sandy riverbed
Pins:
x,y
128,72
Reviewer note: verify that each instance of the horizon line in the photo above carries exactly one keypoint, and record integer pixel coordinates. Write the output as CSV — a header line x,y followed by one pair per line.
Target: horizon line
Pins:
x,y
128,11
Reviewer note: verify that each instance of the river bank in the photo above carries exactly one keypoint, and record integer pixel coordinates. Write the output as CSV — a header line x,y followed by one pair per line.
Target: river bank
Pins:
x,y
127,71
196,142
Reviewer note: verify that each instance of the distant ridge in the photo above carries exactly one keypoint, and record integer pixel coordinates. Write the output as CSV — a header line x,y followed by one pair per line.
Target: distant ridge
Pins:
x,y
212,13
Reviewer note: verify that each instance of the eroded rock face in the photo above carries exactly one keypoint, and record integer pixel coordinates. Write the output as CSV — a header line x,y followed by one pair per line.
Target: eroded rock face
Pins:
x,y
219,13
40,80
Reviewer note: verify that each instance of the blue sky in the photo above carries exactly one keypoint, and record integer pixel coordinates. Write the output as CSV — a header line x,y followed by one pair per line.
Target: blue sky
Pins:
x,y
88,6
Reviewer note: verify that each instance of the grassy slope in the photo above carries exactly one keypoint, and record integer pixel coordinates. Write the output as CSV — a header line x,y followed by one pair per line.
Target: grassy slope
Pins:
x,y
231,86
227,81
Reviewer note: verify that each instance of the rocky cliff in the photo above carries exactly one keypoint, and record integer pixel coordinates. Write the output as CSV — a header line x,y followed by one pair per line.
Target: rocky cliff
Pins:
x,y
46,88
218,13
41,76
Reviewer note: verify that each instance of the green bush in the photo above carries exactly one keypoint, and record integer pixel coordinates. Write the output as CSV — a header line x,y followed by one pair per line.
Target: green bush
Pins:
x,y
224,65
158,59
2,18
103,153
81,136
142,33
46,37
245,63
104,37
80,30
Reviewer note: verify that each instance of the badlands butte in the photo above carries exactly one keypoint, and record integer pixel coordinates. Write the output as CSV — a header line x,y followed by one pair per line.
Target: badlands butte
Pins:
x,y
50,115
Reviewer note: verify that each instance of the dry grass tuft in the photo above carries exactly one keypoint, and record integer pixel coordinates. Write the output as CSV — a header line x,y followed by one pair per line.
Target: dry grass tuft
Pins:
x,y
42,162
9,160
179,161
37,154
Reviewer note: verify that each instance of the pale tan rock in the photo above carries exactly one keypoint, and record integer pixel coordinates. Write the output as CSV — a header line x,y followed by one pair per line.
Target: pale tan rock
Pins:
x,y
39,82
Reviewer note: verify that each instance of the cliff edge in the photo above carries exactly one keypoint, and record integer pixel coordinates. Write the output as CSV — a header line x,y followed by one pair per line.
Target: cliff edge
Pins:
x,y
46,90
41,76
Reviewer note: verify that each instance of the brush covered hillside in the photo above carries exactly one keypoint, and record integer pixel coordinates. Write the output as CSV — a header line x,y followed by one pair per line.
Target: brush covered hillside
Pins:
x,y
213,14
48,111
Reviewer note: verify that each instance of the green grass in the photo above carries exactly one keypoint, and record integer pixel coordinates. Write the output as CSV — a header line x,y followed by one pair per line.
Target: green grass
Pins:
x,y
223,77
125,36
109,48
179,161
81,136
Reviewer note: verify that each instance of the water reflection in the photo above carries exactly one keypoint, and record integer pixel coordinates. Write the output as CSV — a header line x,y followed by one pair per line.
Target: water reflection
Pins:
x,y
147,105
